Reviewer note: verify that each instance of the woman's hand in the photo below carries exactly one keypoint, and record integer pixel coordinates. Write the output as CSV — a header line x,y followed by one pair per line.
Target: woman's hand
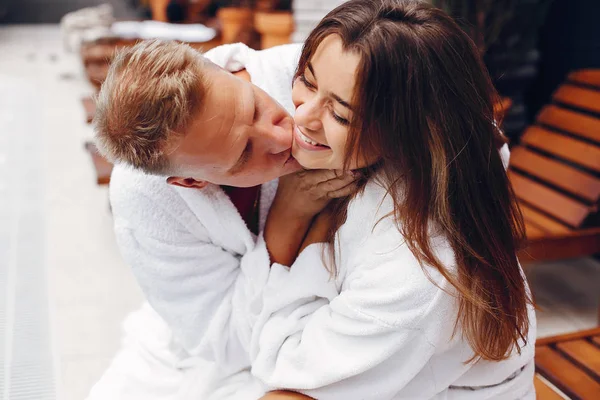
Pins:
x,y
299,198
306,193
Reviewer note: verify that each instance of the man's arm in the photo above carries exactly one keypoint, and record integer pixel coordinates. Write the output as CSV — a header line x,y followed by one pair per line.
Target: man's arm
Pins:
x,y
189,280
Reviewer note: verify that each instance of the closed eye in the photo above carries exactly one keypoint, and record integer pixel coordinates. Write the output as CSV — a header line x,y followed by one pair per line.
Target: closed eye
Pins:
x,y
256,107
340,120
243,160
306,83
310,86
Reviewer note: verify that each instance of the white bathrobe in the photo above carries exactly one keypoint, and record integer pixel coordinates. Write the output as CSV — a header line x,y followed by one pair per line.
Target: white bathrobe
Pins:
x,y
197,263
381,329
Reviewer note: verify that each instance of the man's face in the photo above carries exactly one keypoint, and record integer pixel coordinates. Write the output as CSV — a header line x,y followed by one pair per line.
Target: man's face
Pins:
x,y
240,137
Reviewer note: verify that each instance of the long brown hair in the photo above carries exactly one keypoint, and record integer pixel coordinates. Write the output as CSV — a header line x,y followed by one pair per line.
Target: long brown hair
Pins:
x,y
424,104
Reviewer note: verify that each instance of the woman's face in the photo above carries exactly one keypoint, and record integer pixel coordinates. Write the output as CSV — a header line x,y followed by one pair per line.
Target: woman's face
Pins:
x,y
322,95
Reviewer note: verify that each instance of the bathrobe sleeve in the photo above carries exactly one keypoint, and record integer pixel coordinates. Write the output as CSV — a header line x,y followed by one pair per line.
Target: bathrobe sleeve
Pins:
x,y
367,342
195,285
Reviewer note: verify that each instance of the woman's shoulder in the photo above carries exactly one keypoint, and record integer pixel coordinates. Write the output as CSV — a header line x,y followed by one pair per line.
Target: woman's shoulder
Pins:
x,y
369,206
371,236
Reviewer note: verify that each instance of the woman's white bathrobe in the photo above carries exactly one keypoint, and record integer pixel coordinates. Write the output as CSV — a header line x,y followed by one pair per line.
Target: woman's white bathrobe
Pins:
x,y
381,329
197,264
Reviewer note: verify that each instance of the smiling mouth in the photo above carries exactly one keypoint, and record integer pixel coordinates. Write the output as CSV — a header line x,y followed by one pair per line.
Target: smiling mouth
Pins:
x,y
307,142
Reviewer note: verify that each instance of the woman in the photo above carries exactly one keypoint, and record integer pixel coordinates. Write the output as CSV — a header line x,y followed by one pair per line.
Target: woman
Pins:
x,y
426,297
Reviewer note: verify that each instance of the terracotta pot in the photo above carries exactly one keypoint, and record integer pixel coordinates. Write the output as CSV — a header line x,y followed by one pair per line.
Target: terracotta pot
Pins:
x,y
264,5
233,21
275,27
159,10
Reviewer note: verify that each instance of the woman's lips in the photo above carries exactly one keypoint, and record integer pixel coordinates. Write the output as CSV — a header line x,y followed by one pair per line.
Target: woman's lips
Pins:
x,y
307,143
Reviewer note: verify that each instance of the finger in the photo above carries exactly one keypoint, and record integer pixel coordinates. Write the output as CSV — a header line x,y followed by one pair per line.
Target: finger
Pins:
x,y
318,176
343,192
335,183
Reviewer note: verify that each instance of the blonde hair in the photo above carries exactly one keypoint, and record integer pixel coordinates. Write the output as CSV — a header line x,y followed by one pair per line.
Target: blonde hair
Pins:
x,y
150,95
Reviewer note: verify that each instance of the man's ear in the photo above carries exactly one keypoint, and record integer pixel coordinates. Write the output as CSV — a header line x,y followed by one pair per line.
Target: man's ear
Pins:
x,y
186,182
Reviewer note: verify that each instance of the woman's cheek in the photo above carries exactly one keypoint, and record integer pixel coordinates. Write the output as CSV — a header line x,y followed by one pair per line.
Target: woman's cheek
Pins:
x,y
337,142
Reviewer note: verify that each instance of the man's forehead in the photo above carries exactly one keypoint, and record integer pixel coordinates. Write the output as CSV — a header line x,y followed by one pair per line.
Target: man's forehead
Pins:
x,y
207,127
220,94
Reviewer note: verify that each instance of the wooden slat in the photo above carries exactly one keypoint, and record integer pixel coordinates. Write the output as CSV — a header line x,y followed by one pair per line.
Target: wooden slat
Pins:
x,y
565,375
97,73
102,166
583,353
97,53
543,391
570,121
502,107
205,46
589,77
585,99
558,205
596,339
568,336
542,221
533,231
578,243
90,108
578,183
578,152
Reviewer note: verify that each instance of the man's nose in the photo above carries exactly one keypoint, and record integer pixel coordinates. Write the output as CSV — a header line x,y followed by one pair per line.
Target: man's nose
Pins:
x,y
276,136
308,115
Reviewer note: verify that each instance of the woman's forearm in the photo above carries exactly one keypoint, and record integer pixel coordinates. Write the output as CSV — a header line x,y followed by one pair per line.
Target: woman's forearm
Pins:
x,y
284,236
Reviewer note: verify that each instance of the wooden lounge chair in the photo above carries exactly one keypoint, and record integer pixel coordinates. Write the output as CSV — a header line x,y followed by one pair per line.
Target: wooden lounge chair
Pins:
x,y
569,365
89,106
555,172
102,166
96,56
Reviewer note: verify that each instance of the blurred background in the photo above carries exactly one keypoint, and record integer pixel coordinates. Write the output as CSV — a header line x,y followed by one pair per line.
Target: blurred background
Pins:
x,y
64,289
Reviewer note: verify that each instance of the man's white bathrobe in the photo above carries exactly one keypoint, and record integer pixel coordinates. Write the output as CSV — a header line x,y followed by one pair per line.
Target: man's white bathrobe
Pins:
x,y
198,266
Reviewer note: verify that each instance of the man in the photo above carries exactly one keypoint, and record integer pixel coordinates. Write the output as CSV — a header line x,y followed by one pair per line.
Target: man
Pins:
x,y
190,126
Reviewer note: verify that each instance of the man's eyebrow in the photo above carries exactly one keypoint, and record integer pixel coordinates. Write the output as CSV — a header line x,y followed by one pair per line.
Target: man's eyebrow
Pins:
x,y
242,161
335,96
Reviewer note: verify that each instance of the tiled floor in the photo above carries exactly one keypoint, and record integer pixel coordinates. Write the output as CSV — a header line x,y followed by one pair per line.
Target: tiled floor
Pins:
x,y
90,287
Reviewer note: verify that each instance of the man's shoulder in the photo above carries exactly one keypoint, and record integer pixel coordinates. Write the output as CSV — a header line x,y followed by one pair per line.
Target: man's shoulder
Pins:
x,y
137,196
130,183
282,58
148,203
235,56
273,71
290,50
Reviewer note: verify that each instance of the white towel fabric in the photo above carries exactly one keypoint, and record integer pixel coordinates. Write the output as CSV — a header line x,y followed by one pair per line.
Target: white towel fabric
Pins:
x,y
163,30
380,330
197,264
